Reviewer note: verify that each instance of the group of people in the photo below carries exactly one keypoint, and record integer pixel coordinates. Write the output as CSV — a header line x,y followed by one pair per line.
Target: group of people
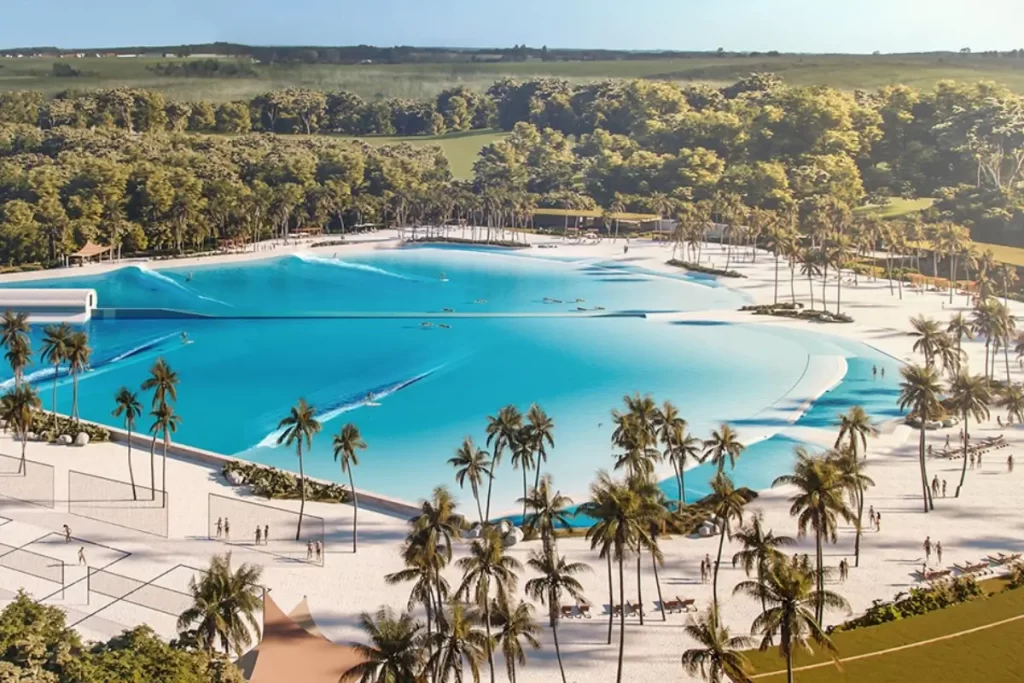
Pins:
x,y
314,547
936,486
224,528
874,371
875,518
81,549
706,569
928,547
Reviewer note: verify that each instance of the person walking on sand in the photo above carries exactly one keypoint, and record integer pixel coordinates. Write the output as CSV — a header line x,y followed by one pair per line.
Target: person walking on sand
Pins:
x,y
947,442
883,372
259,534
319,551
878,521
81,555
703,572
227,529
935,485
1009,464
220,527
309,551
943,488
927,548
972,459
938,552
67,534
266,534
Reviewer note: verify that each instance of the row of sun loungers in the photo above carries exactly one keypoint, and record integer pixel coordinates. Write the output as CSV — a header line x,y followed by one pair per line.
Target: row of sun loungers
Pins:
x,y
989,443
581,610
986,566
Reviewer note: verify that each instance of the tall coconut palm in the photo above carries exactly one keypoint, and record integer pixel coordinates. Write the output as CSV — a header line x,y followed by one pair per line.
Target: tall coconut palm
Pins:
x,y
395,652
487,567
165,423
809,259
651,513
723,444
300,426
346,445
672,434
726,503
618,524
13,326
926,333
720,655
126,403
19,356
472,464
1007,326
517,627
548,511
423,566
522,458
959,328
985,321
638,445
1012,399
790,594
18,408
458,644
502,431
919,392
55,353
540,430
969,396
855,426
760,548
557,578
817,505
163,381
851,471
78,352
225,604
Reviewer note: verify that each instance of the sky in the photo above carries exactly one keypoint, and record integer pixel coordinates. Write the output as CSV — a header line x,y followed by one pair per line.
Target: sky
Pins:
x,y
736,25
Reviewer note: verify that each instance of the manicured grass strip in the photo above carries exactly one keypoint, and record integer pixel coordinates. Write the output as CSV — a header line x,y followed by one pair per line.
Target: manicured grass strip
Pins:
x,y
896,207
461,149
905,632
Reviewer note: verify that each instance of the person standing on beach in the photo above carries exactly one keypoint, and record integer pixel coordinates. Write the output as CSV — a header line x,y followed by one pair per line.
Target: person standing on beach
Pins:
x,y
81,555
67,534
319,550
703,572
1009,464
972,460
266,534
874,371
878,521
943,488
947,442
259,534
227,529
883,372
935,485
220,527
309,551
927,548
938,552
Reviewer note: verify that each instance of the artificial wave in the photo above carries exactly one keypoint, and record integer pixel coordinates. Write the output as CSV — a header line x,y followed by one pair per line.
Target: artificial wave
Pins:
x,y
147,271
306,257
351,402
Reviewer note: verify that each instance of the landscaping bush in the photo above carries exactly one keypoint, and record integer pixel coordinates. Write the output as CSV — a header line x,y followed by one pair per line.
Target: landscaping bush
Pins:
x,y
65,425
918,601
272,483
788,310
707,270
458,240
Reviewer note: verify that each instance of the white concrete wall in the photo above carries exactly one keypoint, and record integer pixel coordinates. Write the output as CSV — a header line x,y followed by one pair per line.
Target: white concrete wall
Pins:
x,y
51,305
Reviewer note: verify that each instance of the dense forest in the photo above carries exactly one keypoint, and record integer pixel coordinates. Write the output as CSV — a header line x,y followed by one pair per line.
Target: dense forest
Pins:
x,y
124,166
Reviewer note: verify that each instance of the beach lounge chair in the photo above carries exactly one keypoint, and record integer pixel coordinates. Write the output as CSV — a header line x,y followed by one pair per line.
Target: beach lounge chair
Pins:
x,y
636,608
688,605
673,605
583,607
566,612
616,610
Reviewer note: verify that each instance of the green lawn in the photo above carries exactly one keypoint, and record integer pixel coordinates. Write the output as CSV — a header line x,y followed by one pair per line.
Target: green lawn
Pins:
x,y
896,208
460,148
992,655
847,72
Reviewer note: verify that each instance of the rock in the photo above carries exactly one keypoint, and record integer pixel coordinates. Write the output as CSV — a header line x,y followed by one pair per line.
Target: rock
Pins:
x,y
505,527
473,532
64,439
82,439
30,436
235,478
512,538
704,530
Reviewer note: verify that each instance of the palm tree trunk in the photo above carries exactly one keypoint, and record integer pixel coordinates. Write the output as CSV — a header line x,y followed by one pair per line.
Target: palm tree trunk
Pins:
x,y
74,394
810,286
524,493
56,369
490,480
792,284
536,476
554,634
764,602
487,628
1006,355
824,292
820,606
776,299
681,497
622,615
789,666
152,469
952,281
302,493
639,586
657,582
611,600
22,464
355,509
131,474
924,474
718,562
860,520
963,468
839,290
476,497
987,343
163,475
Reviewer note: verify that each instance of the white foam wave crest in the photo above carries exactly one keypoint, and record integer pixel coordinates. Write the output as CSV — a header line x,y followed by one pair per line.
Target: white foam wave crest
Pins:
x,y
145,270
339,263
270,440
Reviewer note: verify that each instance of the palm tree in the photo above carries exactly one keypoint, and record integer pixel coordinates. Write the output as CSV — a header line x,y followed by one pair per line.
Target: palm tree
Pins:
x,y
423,565
760,548
347,443
299,427
618,524
522,458
548,511
557,578
163,381
919,391
458,644
985,321
1012,398
969,396
541,431
720,655
395,651
817,505
855,426
165,423
809,259
487,565
1007,325
724,443
502,431
55,352
927,333
727,505
13,326
517,624
127,403
473,464
224,605
18,408
19,355
958,329
851,471
790,593
78,352
672,433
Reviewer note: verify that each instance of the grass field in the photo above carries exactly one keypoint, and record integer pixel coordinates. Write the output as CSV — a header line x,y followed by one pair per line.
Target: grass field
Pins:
x,y
992,655
460,148
896,207
846,72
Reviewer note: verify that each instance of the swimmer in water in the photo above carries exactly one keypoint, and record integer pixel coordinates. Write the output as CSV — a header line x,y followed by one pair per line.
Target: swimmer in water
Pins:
x,y
188,278
184,337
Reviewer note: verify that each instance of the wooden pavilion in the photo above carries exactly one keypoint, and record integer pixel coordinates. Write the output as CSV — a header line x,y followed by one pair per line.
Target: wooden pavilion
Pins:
x,y
90,252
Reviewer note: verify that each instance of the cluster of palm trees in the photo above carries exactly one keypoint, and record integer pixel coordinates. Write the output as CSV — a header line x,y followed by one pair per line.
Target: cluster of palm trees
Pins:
x,y
927,398
225,605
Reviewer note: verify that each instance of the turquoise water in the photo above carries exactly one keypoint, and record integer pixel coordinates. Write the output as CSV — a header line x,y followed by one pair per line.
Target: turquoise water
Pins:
x,y
239,375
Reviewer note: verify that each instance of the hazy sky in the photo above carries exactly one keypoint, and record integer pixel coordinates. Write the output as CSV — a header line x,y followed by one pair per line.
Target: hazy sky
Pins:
x,y
785,25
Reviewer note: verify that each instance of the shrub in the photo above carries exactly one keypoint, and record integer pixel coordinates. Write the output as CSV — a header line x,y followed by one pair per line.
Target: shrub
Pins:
x,y
65,425
271,483
458,240
707,270
788,310
918,601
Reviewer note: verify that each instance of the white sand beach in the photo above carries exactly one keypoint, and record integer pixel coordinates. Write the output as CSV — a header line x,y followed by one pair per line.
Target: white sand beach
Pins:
x,y
986,518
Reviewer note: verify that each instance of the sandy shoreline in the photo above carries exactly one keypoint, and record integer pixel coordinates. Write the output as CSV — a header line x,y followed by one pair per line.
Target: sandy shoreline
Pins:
x,y
984,520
